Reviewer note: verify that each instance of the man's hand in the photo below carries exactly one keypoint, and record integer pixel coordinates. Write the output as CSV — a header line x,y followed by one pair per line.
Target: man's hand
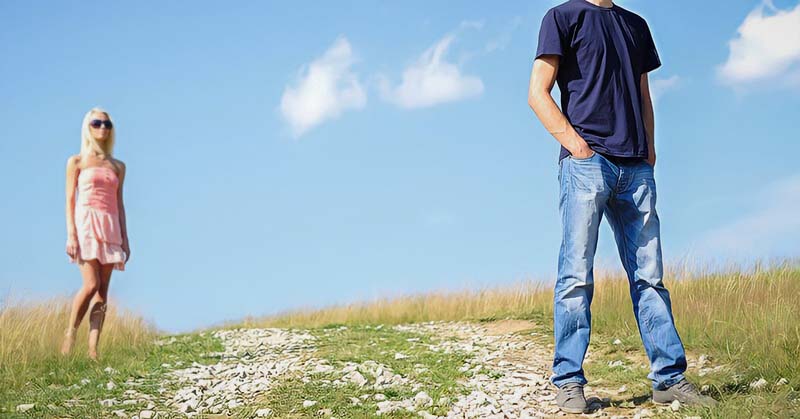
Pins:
x,y
651,159
578,147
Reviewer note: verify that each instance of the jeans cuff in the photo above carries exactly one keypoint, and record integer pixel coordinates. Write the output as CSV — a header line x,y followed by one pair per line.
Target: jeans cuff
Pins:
x,y
580,380
668,383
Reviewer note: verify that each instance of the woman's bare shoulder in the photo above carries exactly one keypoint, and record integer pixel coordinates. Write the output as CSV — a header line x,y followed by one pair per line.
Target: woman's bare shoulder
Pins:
x,y
74,161
118,164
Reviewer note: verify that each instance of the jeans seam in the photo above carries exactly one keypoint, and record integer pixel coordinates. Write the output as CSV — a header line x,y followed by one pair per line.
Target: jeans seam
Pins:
x,y
568,186
564,209
648,327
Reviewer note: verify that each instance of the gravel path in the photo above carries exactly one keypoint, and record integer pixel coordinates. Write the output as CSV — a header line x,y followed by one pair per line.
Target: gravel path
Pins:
x,y
508,379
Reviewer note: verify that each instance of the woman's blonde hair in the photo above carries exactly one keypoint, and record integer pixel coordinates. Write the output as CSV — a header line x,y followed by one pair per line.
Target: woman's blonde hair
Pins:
x,y
89,145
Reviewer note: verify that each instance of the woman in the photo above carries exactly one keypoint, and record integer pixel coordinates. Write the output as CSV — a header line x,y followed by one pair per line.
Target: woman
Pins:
x,y
97,237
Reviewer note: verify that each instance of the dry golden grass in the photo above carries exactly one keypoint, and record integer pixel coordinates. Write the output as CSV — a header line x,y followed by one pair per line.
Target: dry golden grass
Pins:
x,y
512,301
749,317
32,332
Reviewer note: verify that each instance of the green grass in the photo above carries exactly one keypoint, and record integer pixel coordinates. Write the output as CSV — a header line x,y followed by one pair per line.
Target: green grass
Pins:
x,y
748,321
436,372
745,320
53,380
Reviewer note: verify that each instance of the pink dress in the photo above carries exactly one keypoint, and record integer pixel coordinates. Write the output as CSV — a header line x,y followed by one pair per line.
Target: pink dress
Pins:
x,y
97,217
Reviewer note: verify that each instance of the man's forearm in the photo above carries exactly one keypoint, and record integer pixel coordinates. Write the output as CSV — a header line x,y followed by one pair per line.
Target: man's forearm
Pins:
x,y
649,125
556,123
648,118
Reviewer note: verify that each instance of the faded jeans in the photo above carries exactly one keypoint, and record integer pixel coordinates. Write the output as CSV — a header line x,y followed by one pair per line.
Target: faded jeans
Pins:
x,y
626,193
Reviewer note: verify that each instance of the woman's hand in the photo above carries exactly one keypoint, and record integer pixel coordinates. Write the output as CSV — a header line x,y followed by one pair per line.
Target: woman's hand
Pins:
x,y
126,247
72,246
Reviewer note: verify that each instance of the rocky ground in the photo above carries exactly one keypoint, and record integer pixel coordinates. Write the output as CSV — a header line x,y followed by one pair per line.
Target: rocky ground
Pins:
x,y
504,374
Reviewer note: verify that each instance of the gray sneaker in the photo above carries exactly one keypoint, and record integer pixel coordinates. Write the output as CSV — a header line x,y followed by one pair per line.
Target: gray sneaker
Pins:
x,y
684,392
570,398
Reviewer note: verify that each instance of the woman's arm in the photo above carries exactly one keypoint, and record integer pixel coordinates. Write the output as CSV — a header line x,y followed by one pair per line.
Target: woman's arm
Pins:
x,y
121,207
72,182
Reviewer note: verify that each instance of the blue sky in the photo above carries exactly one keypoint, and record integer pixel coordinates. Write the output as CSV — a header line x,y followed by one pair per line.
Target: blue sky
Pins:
x,y
285,156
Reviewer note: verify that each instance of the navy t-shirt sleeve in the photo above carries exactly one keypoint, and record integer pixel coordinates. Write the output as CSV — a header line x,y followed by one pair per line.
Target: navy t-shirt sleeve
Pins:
x,y
649,53
552,36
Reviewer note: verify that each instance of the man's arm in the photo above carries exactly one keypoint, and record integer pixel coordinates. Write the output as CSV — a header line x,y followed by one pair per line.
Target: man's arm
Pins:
x,y
649,119
543,77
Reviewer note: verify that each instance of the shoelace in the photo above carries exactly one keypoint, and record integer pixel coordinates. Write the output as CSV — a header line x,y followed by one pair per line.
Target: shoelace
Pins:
x,y
574,392
686,387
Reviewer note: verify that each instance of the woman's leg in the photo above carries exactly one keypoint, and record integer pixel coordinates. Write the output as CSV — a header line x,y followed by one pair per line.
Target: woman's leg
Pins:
x,y
97,313
90,271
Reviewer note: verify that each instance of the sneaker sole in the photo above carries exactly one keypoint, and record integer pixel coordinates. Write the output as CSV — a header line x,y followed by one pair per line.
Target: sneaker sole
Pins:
x,y
571,410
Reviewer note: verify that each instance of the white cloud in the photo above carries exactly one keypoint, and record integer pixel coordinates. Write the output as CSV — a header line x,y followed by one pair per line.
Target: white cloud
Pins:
x,y
772,229
767,46
431,80
660,86
502,40
324,90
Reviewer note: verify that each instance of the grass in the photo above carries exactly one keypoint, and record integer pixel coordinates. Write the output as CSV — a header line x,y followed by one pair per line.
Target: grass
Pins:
x,y
746,320
32,370
435,372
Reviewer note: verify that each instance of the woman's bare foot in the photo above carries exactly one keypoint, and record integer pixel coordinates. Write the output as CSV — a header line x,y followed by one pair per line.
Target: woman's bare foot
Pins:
x,y
69,342
93,354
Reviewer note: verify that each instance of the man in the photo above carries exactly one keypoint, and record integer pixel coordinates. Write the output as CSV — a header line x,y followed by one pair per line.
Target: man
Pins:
x,y
600,55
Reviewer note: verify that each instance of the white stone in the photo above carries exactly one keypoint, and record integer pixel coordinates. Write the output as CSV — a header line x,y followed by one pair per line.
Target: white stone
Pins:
x,y
25,407
702,360
675,405
309,403
355,377
755,385
262,413
108,402
422,399
147,414
323,368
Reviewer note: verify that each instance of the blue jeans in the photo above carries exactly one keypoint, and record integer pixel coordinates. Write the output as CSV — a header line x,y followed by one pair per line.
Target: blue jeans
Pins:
x,y
626,193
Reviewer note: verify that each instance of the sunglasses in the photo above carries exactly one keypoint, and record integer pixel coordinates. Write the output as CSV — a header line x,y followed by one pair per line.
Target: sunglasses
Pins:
x,y
97,123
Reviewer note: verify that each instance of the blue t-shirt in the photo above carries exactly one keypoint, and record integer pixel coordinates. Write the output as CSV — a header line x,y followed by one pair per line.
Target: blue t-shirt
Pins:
x,y
604,52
